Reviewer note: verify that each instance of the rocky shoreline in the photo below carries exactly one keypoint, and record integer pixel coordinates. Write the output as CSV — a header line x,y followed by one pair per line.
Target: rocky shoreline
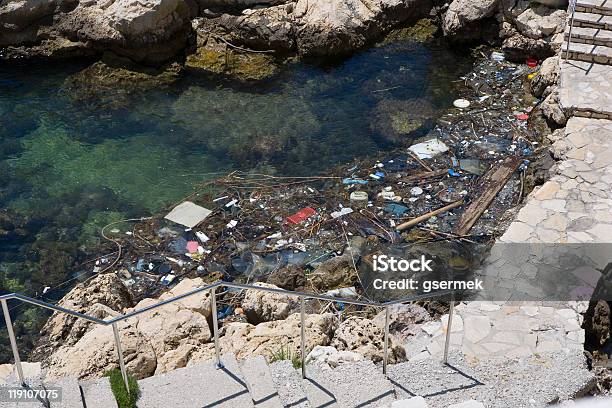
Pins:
x,y
199,35
225,36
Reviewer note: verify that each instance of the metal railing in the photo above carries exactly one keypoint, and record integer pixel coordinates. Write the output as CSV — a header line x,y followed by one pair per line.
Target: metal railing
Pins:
x,y
212,288
572,12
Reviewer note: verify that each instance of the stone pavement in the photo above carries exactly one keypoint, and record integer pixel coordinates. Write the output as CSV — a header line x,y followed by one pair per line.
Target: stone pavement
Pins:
x,y
586,89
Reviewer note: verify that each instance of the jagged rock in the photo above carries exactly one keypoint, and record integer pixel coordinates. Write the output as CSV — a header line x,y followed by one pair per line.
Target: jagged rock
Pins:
x,y
329,355
290,278
20,19
265,306
540,22
518,47
405,320
463,18
95,353
548,76
148,31
244,339
320,27
336,272
552,110
363,336
103,296
153,342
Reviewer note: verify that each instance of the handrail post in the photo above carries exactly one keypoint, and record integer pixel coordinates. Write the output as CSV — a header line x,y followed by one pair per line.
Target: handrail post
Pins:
x,y
120,354
449,327
386,343
303,334
11,333
572,10
213,305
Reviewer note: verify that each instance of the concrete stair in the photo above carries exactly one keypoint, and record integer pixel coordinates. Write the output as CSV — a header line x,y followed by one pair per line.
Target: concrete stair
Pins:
x,y
98,394
259,382
597,54
603,7
201,385
593,20
593,36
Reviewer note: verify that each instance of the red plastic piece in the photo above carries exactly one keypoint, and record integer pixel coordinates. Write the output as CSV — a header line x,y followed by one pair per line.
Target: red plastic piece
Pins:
x,y
192,246
522,116
301,215
532,63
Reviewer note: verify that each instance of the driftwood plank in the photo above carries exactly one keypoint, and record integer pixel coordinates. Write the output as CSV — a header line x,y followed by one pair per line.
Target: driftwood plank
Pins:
x,y
489,185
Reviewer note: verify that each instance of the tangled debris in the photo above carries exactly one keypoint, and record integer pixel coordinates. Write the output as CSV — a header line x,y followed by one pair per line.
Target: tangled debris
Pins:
x,y
454,184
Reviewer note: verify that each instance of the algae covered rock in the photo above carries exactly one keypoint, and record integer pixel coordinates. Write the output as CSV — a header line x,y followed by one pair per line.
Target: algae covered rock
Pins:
x,y
395,119
422,31
242,66
269,123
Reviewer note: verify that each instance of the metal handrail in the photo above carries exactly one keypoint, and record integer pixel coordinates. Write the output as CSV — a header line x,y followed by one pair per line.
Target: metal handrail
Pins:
x,y
212,288
572,12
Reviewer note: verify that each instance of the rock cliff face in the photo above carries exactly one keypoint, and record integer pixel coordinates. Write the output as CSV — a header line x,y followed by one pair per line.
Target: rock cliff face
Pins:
x,y
153,31
525,28
179,334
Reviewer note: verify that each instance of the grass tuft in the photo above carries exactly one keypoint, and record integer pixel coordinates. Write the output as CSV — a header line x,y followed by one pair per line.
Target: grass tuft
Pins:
x,y
286,353
124,399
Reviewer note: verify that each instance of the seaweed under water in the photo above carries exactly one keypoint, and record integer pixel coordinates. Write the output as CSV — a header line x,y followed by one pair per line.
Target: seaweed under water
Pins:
x,y
71,162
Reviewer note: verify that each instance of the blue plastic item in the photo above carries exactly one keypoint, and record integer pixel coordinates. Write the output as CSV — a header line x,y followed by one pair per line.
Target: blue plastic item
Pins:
x,y
453,173
396,209
350,181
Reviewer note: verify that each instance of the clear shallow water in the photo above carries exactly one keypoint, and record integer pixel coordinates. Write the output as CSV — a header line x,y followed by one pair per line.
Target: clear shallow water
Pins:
x,y
69,166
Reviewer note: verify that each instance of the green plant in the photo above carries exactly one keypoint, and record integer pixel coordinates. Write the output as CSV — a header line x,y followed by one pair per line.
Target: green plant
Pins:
x,y
286,353
124,399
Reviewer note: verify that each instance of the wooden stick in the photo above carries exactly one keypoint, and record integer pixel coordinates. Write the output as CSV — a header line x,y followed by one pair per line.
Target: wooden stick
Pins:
x,y
428,215
424,175
421,162
490,184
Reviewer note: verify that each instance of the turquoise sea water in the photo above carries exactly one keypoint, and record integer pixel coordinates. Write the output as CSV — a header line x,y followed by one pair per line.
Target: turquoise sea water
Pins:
x,y
69,165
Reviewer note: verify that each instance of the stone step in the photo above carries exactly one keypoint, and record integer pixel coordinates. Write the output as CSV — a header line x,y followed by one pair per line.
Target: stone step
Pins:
x,y
98,394
591,36
592,20
595,6
349,385
589,53
259,381
201,385
288,382
71,394
586,89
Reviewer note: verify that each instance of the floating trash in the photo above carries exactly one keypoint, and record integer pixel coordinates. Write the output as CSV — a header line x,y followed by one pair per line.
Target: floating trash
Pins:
x,y
461,103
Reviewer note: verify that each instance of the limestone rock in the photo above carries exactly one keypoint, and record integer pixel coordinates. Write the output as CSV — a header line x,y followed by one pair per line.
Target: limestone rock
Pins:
x,y
404,320
320,27
265,306
329,355
463,17
153,342
518,46
551,109
95,353
548,76
244,339
103,296
366,338
540,22
148,31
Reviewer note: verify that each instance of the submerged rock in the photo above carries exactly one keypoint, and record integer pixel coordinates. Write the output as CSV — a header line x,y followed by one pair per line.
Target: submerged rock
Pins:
x,y
243,66
396,119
